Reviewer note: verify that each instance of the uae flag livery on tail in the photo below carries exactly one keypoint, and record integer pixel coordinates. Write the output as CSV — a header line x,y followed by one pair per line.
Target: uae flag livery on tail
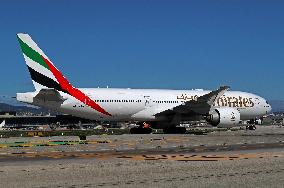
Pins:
x,y
45,75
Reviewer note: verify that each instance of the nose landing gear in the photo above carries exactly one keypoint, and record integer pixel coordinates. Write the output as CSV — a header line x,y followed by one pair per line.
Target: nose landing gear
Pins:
x,y
250,127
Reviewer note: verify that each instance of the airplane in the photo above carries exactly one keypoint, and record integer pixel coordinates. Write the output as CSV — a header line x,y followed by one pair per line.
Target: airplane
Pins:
x,y
2,125
150,108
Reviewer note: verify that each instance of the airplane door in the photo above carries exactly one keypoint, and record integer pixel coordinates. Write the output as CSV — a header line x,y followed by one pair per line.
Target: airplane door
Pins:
x,y
148,101
256,102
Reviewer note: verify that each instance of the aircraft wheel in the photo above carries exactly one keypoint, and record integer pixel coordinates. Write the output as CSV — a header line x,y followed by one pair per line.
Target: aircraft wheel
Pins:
x,y
251,127
175,130
140,130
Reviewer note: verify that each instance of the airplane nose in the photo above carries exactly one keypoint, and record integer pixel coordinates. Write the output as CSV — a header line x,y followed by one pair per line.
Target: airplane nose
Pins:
x,y
269,108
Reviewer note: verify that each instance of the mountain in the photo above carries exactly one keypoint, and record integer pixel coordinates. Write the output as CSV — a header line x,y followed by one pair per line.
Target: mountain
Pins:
x,y
8,107
23,109
8,103
277,105
10,100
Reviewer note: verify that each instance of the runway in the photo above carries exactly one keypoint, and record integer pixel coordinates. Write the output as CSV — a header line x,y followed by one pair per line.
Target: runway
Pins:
x,y
219,159
178,154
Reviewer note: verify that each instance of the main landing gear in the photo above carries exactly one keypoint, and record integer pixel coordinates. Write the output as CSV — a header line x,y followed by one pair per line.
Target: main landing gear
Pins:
x,y
175,130
140,130
144,128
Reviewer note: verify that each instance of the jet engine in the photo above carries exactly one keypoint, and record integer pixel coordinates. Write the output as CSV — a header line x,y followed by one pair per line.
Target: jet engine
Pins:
x,y
224,117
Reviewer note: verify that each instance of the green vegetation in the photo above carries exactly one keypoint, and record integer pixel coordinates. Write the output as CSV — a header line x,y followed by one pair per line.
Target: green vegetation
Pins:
x,y
7,134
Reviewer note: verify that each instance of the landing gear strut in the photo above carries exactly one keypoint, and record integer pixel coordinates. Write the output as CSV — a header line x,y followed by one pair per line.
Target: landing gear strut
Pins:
x,y
175,130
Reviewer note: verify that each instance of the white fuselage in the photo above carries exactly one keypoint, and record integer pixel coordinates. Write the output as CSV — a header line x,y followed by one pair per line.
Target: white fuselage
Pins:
x,y
143,104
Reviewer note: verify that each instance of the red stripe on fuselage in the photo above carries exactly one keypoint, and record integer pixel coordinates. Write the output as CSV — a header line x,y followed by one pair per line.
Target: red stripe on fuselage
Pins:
x,y
63,82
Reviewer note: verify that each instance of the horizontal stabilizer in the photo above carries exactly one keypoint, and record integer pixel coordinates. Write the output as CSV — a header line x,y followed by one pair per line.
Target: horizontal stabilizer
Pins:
x,y
49,95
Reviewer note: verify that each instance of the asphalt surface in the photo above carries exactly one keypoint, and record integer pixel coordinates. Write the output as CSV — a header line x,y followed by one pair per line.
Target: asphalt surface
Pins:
x,y
219,159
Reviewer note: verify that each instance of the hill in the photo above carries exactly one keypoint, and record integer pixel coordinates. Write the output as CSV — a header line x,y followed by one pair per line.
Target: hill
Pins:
x,y
277,105
23,109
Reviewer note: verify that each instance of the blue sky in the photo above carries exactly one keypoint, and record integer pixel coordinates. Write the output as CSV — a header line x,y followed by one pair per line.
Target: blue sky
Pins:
x,y
149,44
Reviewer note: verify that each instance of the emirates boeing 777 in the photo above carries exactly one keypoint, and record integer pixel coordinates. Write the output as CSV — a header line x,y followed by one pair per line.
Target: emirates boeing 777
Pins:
x,y
150,108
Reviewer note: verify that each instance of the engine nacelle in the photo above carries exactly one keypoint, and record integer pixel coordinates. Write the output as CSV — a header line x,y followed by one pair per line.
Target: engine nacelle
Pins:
x,y
224,117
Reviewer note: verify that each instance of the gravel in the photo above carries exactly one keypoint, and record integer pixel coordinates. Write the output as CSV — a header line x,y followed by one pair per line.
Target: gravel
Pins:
x,y
266,172
113,172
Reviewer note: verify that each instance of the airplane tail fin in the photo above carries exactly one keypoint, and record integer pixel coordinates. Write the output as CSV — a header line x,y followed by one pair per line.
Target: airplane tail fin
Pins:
x,y
46,76
2,124
41,69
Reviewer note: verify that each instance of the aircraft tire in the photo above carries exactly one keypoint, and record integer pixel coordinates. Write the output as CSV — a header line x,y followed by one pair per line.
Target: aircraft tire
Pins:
x,y
175,130
140,130
251,127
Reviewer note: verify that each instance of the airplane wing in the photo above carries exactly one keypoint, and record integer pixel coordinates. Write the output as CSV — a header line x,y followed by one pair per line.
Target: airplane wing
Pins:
x,y
202,106
49,95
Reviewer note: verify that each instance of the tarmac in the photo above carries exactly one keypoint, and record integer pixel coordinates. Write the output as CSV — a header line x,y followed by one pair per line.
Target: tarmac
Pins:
x,y
219,159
